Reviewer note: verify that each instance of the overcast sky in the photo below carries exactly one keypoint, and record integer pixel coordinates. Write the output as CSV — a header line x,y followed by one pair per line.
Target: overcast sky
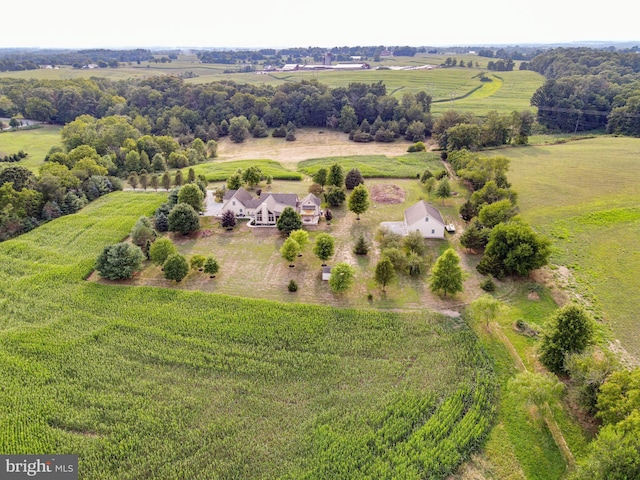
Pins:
x,y
300,23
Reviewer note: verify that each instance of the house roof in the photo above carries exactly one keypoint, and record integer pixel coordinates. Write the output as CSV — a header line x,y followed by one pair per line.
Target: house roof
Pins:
x,y
241,194
326,269
420,210
310,198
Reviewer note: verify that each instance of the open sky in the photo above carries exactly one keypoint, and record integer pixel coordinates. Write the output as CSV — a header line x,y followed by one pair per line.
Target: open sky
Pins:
x,y
299,23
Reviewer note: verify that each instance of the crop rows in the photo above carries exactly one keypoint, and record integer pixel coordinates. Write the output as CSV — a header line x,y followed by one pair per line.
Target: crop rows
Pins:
x,y
145,382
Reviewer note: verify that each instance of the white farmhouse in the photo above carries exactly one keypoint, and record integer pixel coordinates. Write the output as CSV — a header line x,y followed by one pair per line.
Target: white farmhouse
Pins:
x,y
422,217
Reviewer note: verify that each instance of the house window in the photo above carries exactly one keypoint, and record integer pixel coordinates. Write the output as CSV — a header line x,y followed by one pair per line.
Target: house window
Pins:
x,y
426,219
240,210
233,203
433,231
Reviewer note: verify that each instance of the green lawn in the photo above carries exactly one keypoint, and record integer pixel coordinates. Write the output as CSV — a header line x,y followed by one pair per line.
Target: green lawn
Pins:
x,y
584,195
164,383
35,142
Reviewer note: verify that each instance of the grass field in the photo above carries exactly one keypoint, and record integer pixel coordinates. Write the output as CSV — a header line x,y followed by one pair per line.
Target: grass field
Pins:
x,y
512,91
378,166
36,143
166,383
218,171
585,196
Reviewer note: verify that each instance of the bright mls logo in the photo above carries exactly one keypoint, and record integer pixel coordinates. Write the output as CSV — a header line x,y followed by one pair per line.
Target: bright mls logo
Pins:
x,y
49,467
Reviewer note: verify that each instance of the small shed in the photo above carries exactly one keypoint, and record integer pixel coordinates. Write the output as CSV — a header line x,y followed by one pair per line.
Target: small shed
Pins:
x,y
326,273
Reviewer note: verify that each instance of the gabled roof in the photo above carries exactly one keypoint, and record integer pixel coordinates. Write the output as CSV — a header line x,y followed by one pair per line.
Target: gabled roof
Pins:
x,y
420,210
311,198
241,195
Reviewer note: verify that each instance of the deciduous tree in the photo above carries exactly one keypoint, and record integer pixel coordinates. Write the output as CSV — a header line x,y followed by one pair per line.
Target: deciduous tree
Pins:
x,y
385,272
447,275
119,261
342,277
324,247
175,267
289,221
569,330
183,219
359,200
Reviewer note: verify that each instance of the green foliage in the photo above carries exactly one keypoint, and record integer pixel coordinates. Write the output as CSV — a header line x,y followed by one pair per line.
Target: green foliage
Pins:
x,y
614,454
289,220
446,274
324,246
239,129
342,277
143,232
414,242
175,267
537,388
619,396
514,249
488,285
588,371
197,261
569,330
388,239
353,179
492,214
191,195
289,250
384,272
160,250
361,246
234,182
335,196
183,219
475,236
211,266
320,177
119,261
335,177
359,200
301,237
485,308
252,176
443,190
292,286
397,257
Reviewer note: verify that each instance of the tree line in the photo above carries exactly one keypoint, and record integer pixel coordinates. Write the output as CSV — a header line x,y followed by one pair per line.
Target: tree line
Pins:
x,y
588,89
12,60
169,106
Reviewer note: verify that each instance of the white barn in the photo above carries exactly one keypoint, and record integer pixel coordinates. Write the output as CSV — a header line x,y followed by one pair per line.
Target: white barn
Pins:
x,y
422,217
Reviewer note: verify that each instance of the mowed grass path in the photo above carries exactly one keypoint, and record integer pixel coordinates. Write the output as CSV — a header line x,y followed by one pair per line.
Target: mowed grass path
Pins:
x,y
585,196
147,382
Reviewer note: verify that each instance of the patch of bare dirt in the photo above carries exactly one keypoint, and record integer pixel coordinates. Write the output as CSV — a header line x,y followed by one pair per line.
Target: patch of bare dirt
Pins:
x,y
387,194
533,296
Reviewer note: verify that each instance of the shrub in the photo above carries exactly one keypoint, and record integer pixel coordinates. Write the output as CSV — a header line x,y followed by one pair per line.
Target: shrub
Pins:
x,y
488,285
293,286
197,261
